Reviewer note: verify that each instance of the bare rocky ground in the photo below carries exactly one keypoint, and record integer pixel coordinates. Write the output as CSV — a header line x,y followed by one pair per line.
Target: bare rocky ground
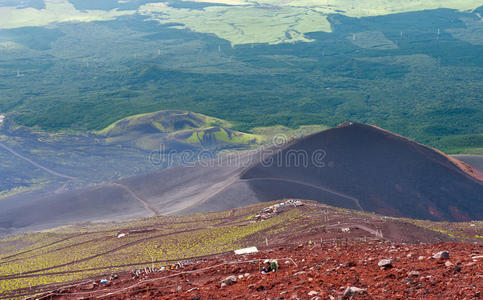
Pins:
x,y
335,270
322,252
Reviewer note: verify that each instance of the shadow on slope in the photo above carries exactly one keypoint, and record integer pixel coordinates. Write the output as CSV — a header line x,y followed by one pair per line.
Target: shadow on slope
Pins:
x,y
357,166
386,173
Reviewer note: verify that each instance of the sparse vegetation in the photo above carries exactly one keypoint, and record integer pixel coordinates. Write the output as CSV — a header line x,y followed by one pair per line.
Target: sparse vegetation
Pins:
x,y
80,251
463,231
95,249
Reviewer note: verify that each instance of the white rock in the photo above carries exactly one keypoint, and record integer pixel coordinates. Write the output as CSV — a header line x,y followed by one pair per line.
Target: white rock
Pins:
x,y
385,263
441,255
229,280
352,290
300,273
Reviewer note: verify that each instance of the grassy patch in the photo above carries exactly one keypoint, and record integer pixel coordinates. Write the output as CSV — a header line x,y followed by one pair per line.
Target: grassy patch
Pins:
x,y
87,246
55,11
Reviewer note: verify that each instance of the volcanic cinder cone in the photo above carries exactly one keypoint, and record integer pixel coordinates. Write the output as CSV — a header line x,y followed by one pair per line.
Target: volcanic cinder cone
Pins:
x,y
381,172
353,166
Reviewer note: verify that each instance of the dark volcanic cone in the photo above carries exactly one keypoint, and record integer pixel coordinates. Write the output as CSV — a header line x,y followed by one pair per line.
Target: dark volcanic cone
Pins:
x,y
352,166
380,171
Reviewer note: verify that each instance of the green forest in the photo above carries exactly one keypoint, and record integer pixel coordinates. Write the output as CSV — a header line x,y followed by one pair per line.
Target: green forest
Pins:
x,y
418,74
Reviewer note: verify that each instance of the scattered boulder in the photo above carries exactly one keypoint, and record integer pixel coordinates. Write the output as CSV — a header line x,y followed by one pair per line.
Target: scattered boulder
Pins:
x,y
349,264
260,288
229,280
312,293
385,263
414,274
352,290
448,264
443,255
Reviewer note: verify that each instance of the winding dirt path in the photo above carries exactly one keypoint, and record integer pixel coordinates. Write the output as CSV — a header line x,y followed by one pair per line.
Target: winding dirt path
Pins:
x,y
33,272
355,200
213,190
3,259
103,238
50,171
359,226
146,205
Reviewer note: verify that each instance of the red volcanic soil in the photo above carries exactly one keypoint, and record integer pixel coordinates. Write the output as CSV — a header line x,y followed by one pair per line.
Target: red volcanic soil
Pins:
x,y
320,271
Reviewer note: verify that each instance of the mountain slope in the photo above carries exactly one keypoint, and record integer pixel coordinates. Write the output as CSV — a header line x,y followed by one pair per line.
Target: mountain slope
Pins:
x,y
387,173
31,262
352,166
360,167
